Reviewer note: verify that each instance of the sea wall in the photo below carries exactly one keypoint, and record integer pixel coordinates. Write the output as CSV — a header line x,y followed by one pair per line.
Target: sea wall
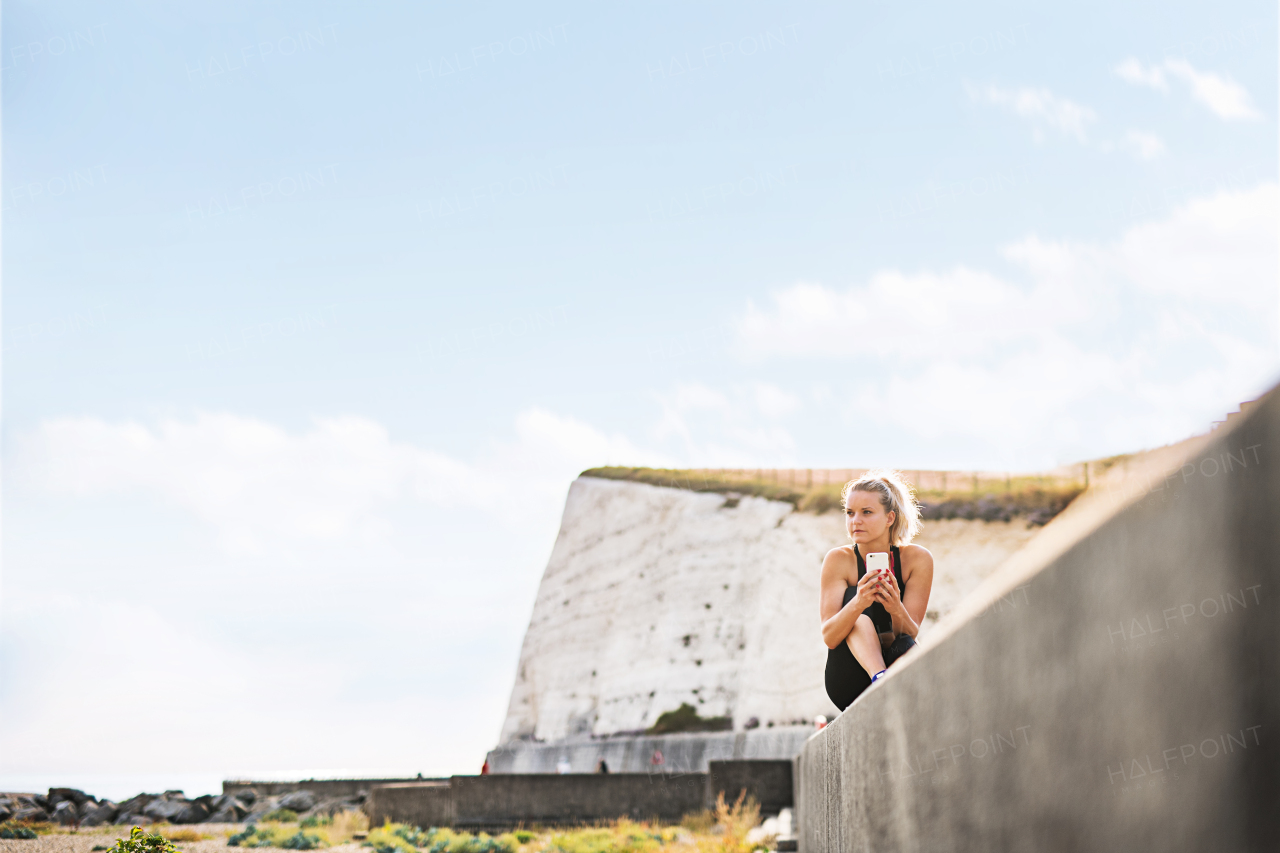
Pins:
x,y
678,753
1114,686
500,801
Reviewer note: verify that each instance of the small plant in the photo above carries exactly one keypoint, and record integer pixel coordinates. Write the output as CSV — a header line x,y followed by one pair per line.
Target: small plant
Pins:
x,y
699,823
312,821
142,842
301,841
524,836
18,832
276,836
737,820
686,719
281,816
344,825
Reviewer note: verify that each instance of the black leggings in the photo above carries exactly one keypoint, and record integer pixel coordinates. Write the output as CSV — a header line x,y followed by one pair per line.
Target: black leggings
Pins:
x,y
846,679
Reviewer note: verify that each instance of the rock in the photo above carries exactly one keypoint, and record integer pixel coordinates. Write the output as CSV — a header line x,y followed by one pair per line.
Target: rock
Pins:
x,y
137,804
97,815
230,812
57,795
298,801
162,809
31,813
42,802
247,796
192,812
66,813
4,814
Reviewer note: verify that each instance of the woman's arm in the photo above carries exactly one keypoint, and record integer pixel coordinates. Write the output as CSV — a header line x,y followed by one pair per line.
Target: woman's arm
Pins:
x,y
917,573
837,620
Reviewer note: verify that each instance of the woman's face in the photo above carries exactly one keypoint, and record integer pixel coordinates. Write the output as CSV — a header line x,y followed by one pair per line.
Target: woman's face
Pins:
x,y
864,517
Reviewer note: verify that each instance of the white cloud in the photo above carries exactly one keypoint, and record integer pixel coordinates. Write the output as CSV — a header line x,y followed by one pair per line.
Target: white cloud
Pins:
x,y
718,428
1081,342
773,402
1040,106
1226,98
256,483
1133,71
1144,146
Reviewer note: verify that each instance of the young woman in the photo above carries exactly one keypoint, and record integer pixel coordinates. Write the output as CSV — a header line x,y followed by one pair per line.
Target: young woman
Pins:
x,y
869,622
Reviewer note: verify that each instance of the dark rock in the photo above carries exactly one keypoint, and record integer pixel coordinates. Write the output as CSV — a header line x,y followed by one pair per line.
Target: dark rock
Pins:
x,y
66,813
4,813
162,809
42,802
97,815
753,723
174,794
57,795
31,813
298,801
137,803
247,796
231,812
193,812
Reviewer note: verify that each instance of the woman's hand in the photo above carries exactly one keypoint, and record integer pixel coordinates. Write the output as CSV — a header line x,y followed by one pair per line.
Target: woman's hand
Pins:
x,y
868,586
889,595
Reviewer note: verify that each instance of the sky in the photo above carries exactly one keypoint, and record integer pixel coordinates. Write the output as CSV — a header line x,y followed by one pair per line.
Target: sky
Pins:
x,y
312,312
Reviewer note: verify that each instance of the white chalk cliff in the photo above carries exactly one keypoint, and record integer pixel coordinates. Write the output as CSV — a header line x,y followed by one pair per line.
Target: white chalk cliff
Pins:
x,y
657,596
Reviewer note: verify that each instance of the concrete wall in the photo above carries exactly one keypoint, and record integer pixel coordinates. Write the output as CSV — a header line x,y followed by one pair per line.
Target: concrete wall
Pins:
x,y
320,787
681,753
1115,686
495,802
768,782
421,804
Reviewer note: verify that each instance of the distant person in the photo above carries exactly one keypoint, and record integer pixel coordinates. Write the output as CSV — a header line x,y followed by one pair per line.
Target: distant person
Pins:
x,y
869,623
656,759
484,769
602,766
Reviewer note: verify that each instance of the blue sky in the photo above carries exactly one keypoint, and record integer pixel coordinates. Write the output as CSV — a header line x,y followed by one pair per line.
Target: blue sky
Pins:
x,y
311,315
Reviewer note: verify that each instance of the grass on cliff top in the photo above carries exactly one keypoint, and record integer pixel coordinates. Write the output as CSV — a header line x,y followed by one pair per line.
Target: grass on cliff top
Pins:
x,y
1037,499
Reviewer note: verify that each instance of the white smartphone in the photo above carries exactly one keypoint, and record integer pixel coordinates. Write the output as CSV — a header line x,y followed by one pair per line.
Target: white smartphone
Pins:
x,y
878,562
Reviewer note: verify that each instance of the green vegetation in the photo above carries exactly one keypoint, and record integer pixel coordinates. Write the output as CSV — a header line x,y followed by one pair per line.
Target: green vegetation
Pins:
x,y
622,837
17,831
686,719
1037,499
401,838
281,816
277,836
315,820
142,842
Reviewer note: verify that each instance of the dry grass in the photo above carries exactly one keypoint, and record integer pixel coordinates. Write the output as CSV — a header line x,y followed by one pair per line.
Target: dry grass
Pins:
x,y
346,824
185,834
1036,498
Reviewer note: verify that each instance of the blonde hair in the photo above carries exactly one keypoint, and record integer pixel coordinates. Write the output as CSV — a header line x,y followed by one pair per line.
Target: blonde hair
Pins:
x,y
896,496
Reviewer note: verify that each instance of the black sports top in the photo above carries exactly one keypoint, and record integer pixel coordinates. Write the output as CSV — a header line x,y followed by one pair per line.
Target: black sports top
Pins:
x,y
879,616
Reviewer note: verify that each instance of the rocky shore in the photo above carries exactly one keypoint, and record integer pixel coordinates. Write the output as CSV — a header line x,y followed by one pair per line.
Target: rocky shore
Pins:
x,y
72,807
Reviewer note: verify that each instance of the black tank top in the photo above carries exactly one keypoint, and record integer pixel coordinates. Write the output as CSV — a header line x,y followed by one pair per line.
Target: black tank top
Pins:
x,y
879,616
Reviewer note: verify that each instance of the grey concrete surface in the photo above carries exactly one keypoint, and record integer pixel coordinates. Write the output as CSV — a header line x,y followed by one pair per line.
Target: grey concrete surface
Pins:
x,y
421,804
320,787
500,801
491,802
767,782
1117,692
681,753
